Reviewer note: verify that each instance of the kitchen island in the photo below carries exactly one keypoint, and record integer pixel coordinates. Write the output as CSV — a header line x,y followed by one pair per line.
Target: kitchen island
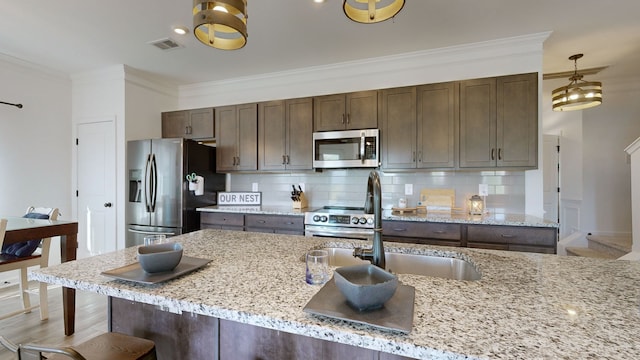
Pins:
x,y
525,306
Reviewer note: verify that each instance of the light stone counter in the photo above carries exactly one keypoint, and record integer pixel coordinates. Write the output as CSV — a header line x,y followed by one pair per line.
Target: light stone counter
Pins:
x,y
453,218
462,218
526,306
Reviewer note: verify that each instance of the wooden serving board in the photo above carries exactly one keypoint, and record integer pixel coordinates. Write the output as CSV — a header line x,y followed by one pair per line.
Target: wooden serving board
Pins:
x,y
438,199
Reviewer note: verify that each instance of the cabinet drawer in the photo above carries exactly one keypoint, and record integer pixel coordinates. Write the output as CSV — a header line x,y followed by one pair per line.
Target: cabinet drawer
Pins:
x,y
228,219
275,222
512,235
421,230
488,246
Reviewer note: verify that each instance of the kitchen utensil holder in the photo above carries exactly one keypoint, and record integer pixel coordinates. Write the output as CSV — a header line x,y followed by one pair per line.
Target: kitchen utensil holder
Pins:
x,y
301,203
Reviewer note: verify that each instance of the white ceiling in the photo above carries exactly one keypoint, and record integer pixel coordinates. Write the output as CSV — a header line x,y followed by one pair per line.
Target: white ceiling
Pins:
x,y
73,36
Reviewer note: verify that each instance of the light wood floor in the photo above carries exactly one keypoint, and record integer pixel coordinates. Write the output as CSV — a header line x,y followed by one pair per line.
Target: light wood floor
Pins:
x,y
91,320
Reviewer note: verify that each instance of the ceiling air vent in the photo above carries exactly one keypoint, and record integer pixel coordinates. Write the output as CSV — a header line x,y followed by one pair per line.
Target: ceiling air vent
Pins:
x,y
165,44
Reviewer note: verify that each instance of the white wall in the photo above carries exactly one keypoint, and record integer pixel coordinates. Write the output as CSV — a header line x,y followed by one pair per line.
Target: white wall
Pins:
x,y
595,173
35,150
135,101
607,130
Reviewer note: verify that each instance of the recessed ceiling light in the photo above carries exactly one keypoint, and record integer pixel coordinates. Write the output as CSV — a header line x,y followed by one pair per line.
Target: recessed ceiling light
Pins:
x,y
318,1
180,30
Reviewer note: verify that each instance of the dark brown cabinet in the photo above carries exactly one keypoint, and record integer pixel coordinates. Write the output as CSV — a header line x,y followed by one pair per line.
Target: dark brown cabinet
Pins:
x,y
437,116
237,137
398,120
279,224
188,124
417,232
517,121
478,123
513,238
285,130
214,338
419,127
221,221
357,110
264,223
499,122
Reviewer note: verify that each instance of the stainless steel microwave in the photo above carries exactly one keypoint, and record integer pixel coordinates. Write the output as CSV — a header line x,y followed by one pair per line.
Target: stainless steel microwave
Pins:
x,y
346,149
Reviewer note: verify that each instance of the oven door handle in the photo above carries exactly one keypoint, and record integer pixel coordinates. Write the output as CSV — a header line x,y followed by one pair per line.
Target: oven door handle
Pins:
x,y
323,231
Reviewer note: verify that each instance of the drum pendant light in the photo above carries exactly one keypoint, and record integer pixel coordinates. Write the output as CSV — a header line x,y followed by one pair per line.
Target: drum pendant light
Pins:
x,y
579,94
220,24
371,11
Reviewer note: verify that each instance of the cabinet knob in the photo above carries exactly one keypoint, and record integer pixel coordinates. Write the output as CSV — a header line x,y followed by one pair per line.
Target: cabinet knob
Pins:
x,y
107,204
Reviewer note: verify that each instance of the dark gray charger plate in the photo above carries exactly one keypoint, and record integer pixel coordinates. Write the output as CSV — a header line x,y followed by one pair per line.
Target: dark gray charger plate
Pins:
x,y
396,314
133,272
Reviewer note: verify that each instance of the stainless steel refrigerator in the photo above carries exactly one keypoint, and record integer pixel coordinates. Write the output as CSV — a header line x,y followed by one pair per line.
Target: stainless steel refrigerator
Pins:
x,y
159,199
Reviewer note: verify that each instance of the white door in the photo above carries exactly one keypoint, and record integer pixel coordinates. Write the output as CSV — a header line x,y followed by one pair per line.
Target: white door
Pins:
x,y
96,152
550,153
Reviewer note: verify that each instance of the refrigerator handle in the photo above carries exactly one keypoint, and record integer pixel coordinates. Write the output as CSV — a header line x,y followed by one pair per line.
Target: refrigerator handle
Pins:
x,y
147,183
154,172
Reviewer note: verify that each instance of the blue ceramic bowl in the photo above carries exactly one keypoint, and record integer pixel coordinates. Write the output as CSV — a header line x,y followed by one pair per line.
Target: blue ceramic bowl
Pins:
x,y
366,287
159,257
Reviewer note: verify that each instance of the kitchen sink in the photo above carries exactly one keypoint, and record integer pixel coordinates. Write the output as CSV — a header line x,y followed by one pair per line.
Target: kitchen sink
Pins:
x,y
399,263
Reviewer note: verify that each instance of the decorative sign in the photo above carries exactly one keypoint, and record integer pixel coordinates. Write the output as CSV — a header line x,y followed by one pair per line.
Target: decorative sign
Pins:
x,y
240,198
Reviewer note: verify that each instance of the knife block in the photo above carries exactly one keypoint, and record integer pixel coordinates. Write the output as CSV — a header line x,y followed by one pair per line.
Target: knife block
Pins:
x,y
301,203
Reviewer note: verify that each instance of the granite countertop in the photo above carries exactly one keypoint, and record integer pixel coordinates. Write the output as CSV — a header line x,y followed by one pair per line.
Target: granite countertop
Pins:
x,y
526,306
453,218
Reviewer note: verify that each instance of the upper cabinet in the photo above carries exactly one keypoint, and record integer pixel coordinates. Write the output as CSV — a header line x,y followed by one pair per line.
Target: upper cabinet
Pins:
x,y
437,113
419,126
517,120
285,130
358,110
478,123
398,120
188,124
237,137
499,122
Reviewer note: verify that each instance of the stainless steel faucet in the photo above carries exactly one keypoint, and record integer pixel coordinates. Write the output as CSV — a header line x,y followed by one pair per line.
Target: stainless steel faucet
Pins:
x,y
373,204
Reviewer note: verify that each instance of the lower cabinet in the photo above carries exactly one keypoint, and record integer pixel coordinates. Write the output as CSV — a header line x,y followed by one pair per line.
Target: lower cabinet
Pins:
x,y
514,238
422,233
495,237
278,224
221,221
194,337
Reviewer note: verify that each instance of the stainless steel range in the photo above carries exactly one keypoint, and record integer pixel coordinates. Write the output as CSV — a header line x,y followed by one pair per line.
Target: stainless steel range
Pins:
x,y
339,222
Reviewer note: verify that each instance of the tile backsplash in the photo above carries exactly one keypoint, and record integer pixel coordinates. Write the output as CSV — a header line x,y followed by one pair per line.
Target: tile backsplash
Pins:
x,y
348,187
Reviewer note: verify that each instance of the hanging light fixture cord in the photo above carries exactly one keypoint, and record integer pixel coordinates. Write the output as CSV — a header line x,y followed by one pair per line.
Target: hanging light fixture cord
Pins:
x,y
19,106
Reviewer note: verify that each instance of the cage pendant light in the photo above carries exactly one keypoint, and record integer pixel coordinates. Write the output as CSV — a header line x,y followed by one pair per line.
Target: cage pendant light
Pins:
x,y
371,11
221,24
579,94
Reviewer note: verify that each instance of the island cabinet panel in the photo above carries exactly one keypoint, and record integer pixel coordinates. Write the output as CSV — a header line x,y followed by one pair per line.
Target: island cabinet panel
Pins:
x,y
514,238
237,137
189,336
279,224
188,124
221,221
177,336
422,233
246,342
358,110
